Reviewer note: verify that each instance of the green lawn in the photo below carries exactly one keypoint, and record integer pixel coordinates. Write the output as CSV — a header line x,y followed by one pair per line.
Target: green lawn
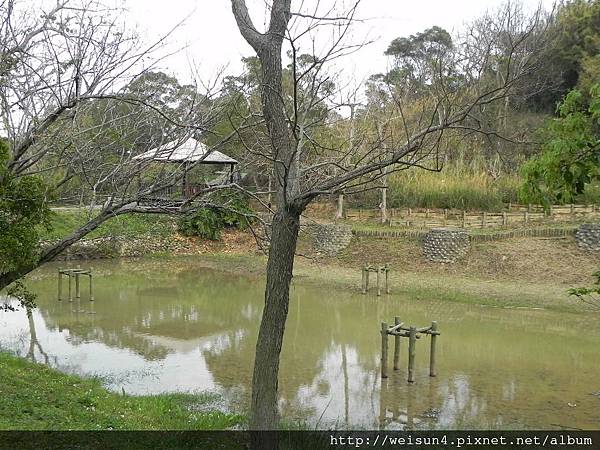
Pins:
x,y
35,397
131,225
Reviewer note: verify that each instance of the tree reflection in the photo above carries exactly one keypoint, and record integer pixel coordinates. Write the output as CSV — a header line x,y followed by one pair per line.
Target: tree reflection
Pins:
x,y
330,359
33,340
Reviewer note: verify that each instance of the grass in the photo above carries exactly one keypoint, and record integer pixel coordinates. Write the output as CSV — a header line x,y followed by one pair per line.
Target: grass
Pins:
x,y
459,185
455,187
36,397
131,225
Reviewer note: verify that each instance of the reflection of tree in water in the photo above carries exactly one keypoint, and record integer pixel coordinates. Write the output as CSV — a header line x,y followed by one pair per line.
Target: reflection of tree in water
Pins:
x,y
319,337
330,367
330,362
154,317
33,340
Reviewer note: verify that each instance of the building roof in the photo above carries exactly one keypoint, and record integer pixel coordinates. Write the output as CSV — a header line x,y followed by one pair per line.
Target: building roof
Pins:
x,y
191,150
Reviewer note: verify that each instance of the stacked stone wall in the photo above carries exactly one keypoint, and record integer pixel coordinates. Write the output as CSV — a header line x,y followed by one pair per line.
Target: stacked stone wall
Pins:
x,y
445,245
101,248
329,239
588,236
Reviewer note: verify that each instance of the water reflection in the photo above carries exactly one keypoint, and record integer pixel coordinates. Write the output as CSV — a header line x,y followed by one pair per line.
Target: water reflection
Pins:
x,y
176,325
33,340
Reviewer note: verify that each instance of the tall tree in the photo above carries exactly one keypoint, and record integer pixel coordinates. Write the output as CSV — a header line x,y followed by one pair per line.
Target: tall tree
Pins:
x,y
302,175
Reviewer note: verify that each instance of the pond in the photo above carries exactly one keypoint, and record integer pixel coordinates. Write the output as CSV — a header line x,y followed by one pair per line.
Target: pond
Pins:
x,y
162,325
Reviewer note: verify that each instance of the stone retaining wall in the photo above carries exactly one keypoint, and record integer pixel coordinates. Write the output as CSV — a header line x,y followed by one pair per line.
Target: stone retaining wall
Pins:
x,y
588,236
329,239
101,248
445,245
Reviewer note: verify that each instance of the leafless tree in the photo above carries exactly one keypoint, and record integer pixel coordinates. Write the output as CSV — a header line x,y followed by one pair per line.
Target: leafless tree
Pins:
x,y
410,135
68,114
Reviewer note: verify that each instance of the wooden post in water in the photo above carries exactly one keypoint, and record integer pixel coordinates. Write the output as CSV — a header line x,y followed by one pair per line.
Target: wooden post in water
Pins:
x,y
59,284
91,286
77,287
412,340
70,294
504,221
384,350
387,286
397,345
367,277
432,371
362,280
378,281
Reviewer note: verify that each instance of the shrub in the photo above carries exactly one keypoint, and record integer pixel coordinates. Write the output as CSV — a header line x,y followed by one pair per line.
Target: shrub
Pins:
x,y
208,222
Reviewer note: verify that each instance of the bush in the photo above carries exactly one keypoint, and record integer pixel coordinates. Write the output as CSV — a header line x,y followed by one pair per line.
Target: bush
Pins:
x,y
208,222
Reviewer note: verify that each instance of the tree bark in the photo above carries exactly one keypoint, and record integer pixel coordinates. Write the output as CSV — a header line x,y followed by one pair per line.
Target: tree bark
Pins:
x,y
340,207
383,207
286,222
264,412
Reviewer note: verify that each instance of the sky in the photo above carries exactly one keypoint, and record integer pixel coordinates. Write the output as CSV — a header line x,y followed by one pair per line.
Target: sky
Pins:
x,y
213,43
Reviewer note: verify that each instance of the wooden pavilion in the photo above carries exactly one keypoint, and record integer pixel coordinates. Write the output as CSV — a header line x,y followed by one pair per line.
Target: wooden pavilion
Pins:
x,y
189,153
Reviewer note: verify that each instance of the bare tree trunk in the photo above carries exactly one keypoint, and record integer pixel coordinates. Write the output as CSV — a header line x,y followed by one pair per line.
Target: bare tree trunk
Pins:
x,y
269,197
286,222
340,207
383,206
264,412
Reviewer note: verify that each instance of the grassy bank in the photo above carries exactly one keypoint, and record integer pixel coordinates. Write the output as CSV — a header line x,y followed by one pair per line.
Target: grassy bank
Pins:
x,y
515,273
35,397
64,221
520,272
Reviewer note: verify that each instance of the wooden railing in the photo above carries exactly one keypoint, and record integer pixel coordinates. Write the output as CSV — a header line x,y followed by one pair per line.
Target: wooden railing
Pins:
x,y
511,216
537,232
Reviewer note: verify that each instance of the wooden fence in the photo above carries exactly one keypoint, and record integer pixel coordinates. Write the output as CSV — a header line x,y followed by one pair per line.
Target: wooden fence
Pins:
x,y
488,236
511,216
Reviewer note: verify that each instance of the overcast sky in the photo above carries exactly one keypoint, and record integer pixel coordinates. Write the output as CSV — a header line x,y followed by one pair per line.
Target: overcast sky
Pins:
x,y
213,39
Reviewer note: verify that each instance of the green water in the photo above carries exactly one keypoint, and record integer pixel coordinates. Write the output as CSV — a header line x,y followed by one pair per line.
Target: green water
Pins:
x,y
176,325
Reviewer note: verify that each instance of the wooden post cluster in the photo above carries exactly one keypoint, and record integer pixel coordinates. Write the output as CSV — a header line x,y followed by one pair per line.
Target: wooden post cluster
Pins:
x,y
399,330
76,274
380,271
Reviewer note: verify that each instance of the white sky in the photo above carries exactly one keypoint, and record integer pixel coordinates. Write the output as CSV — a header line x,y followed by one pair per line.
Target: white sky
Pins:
x,y
213,40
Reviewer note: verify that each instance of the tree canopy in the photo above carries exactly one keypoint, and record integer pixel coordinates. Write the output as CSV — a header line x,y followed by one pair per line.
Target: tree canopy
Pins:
x,y
570,157
23,210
